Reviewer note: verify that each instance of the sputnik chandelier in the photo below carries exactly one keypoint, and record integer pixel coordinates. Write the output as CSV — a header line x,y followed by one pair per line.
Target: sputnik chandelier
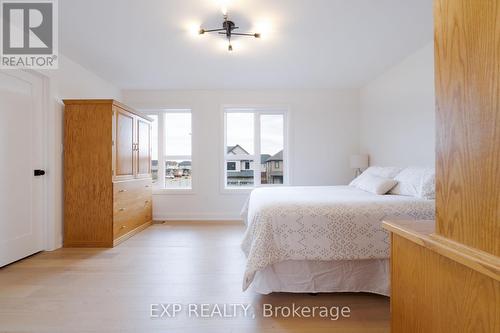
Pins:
x,y
227,29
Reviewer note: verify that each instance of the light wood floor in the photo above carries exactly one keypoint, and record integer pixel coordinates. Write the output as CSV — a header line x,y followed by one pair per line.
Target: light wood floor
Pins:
x,y
110,290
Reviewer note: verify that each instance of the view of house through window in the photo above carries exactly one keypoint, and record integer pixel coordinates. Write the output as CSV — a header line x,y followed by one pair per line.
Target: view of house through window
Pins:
x,y
171,155
271,143
254,148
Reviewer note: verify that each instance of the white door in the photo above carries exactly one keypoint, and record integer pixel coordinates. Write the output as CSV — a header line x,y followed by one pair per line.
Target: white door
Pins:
x,y
21,150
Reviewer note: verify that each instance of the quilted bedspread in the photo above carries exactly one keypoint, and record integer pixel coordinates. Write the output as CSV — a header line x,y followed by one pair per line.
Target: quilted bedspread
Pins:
x,y
321,223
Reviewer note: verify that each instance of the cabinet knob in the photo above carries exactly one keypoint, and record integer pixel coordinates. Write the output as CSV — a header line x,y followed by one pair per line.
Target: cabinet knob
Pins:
x,y
121,191
121,209
147,201
123,227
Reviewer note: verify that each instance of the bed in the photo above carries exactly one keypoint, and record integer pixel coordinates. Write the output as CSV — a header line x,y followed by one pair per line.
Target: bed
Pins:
x,y
322,239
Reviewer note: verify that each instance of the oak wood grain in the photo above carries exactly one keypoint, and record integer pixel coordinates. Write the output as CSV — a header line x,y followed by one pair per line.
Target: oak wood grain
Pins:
x,y
467,63
124,142
448,281
422,233
88,191
98,212
106,101
431,293
143,148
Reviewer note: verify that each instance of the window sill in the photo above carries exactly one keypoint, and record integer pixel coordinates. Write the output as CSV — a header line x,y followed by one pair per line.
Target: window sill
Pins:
x,y
229,190
246,190
165,191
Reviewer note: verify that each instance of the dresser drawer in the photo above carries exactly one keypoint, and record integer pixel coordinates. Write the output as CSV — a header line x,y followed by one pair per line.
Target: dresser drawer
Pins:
x,y
124,207
122,227
130,197
132,190
132,205
124,210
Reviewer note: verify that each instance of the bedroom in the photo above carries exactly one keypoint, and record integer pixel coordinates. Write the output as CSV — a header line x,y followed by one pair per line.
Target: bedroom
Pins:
x,y
183,173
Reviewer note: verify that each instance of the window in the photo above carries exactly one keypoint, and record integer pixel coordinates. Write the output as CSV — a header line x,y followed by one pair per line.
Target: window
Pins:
x,y
171,150
154,147
254,147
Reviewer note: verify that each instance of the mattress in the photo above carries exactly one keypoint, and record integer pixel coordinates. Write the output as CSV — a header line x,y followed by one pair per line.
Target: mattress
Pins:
x,y
324,223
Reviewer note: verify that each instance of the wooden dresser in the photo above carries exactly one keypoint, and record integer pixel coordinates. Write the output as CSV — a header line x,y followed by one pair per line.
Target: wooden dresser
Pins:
x,y
107,173
446,274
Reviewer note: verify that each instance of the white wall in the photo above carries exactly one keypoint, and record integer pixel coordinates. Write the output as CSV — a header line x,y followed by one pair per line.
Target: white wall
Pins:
x,y
69,81
391,118
323,134
397,113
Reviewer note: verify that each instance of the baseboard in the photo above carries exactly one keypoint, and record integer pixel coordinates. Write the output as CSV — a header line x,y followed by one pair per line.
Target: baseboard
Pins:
x,y
91,244
204,222
199,218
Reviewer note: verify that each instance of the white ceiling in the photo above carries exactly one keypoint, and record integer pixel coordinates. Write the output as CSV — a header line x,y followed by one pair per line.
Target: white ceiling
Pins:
x,y
146,44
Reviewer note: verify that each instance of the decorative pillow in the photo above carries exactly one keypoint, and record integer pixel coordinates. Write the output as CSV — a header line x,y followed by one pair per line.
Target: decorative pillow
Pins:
x,y
382,172
412,180
375,184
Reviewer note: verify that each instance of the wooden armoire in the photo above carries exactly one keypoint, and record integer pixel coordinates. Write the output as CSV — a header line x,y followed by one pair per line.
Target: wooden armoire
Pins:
x,y
107,173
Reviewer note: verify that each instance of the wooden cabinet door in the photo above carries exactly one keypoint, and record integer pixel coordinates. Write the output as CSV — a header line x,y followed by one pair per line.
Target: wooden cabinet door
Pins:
x,y
143,148
124,144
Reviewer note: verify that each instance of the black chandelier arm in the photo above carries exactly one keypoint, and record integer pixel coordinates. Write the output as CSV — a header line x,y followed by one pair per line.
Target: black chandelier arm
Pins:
x,y
212,30
243,34
227,29
224,29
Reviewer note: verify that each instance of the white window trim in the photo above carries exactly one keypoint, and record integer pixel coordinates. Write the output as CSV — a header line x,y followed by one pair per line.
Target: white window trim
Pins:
x,y
257,111
161,152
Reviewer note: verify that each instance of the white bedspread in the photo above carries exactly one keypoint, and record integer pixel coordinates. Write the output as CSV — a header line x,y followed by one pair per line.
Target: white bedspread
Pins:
x,y
321,223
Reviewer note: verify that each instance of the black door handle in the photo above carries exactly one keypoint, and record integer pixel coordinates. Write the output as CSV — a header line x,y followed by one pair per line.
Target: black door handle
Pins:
x,y
39,172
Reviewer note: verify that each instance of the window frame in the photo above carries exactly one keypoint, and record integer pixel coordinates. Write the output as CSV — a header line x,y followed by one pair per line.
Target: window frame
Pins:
x,y
257,111
162,158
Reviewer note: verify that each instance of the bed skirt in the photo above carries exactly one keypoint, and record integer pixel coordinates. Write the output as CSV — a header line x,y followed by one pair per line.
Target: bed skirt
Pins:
x,y
303,276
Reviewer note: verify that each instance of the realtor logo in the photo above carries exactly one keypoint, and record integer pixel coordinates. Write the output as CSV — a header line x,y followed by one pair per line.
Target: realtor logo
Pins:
x,y
29,34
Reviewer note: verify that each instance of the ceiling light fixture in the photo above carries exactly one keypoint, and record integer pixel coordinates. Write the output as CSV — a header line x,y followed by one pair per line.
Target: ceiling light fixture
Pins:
x,y
227,29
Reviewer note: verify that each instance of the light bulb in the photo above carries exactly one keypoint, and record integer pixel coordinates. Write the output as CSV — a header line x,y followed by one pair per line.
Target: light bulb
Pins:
x,y
224,5
194,29
264,29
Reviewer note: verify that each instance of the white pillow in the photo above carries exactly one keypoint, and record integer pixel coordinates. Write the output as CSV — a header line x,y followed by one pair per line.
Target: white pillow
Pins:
x,y
383,172
375,184
428,188
413,180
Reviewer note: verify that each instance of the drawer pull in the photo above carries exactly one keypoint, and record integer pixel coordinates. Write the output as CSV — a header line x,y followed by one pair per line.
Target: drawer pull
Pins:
x,y
147,186
121,191
121,209
123,227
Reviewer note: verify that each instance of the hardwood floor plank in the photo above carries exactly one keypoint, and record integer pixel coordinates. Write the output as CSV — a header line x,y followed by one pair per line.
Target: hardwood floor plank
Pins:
x,y
111,290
